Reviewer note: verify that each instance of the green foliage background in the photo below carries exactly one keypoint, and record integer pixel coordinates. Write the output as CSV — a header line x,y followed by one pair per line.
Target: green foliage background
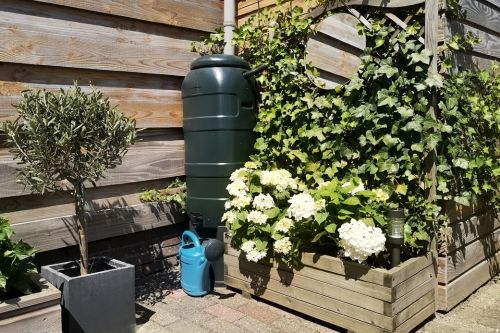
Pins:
x,y
375,127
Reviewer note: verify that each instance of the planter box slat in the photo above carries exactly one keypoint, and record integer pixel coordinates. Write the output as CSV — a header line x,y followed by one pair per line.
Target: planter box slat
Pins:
x,y
306,308
311,284
361,287
408,285
337,296
412,296
325,302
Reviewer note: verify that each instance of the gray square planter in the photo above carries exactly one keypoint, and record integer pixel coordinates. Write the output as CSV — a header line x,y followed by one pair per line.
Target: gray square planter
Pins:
x,y
102,301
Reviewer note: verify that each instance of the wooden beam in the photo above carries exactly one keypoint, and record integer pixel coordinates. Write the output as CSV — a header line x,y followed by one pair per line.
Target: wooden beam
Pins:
x,y
152,100
203,15
58,40
50,234
148,160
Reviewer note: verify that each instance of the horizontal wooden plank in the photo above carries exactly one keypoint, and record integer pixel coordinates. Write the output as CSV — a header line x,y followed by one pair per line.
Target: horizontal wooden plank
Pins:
x,y
152,100
59,40
414,295
342,27
411,283
467,231
482,13
299,305
338,277
193,14
351,270
414,308
61,203
456,212
458,262
148,160
474,62
489,43
448,296
309,282
46,297
417,319
50,234
331,56
252,274
408,268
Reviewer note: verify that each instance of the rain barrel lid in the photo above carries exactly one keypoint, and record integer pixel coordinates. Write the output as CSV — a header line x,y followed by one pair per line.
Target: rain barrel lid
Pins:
x,y
219,60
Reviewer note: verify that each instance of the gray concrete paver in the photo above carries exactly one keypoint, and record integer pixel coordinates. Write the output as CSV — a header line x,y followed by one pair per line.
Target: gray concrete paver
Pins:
x,y
256,326
218,325
184,326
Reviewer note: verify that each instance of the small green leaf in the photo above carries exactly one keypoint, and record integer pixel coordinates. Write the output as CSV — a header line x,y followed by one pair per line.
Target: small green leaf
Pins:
x,y
351,201
331,228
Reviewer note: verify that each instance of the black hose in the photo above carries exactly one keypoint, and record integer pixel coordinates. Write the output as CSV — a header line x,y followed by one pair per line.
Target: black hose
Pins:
x,y
253,72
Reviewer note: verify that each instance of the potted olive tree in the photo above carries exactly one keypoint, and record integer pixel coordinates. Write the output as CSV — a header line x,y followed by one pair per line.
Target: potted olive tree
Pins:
x,y
73,137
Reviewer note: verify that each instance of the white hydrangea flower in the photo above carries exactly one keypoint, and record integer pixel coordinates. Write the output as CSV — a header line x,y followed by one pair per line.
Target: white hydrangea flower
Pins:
x,y
302,206
284,225
281,179
255,255
229,217
355,190
257,217
381,195
360,240
241,202
320,204
238,174
263,202
237,188
283,246
227,205
248,246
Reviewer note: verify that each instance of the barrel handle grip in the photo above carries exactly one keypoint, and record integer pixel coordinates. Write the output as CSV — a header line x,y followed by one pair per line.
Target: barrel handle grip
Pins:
x,y
189,235
256,71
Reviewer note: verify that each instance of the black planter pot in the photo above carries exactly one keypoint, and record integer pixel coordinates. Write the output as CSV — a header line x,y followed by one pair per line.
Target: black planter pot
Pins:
x,y
102,301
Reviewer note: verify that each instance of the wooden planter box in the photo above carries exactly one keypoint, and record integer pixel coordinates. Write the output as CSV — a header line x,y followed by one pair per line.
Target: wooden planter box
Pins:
x,y
346,294
469,254
32,313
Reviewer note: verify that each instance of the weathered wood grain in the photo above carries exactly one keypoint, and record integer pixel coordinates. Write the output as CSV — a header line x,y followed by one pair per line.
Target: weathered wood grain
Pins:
x,y
152,100
448,296
61,203
147,160
60,232
193,14
463,259
301,290
483,14
463,233
57,41
489,44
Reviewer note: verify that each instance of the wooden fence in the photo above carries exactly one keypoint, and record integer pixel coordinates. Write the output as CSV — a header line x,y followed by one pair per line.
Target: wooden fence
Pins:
x,y
135,52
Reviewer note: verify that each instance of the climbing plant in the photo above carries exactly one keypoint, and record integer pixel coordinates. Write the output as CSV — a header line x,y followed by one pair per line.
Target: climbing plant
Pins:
x,y
375,128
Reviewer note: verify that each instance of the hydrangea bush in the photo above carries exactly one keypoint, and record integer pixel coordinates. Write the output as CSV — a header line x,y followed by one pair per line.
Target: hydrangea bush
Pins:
x,y
271,215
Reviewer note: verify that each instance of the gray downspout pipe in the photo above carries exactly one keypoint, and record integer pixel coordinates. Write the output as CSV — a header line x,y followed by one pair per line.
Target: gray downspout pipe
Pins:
x,y
229,25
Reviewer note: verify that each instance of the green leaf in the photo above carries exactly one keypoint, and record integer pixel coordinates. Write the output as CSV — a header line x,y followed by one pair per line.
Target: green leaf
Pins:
x,y
320,217
379,41
318,236
462,201
331,228
352,201
402,189
273,212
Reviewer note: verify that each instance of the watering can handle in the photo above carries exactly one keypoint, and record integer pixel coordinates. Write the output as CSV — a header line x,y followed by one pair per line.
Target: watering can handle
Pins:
x,y
186,235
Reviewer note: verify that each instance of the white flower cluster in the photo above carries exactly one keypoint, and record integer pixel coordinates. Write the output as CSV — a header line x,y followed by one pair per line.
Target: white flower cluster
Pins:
x,y
238,202
302,206
283,246
251,253
263,202
237,188
381,195
360,240
281,179
257,217
284,225
229,217
238,174
355,190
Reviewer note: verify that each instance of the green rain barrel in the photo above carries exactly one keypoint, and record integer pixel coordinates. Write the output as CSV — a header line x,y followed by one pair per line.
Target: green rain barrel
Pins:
x,y
220,112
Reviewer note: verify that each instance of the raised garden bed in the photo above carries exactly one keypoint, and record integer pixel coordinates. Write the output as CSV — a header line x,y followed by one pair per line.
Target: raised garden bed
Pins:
x,y
346,294
30,313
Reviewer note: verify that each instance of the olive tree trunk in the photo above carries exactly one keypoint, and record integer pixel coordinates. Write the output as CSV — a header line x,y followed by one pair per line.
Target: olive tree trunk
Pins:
x,y
81,227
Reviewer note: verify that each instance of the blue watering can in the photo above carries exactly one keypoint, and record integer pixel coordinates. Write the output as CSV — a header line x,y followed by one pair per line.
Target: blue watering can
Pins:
x,y
195,279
